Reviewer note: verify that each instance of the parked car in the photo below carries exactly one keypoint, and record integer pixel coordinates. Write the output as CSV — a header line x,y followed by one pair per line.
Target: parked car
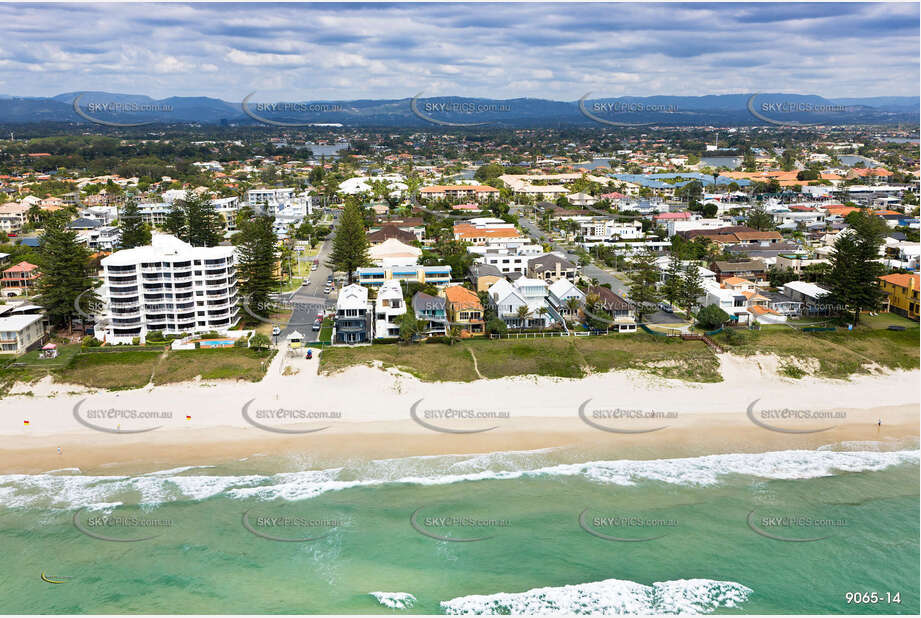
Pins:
x,y
276,331
313,267
666,307
318,323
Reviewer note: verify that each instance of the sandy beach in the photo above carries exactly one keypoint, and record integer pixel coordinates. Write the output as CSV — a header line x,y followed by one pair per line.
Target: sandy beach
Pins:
x,y
365,412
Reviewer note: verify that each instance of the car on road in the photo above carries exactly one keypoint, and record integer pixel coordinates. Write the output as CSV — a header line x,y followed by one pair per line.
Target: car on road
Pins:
x,y
305,282
318,323
276,331
313,267
666,307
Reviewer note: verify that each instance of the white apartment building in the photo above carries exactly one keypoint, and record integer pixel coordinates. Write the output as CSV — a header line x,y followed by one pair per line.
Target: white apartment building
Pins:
x,y
169,286
267,197
512,258
595,228
389,308
675,226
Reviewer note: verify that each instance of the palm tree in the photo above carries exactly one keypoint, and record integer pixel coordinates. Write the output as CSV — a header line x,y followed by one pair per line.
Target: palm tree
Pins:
x,y
453,334
572,305
541,312
523,313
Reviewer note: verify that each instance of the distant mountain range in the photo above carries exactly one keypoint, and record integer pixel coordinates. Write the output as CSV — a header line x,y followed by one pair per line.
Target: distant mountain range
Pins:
x,y
721,110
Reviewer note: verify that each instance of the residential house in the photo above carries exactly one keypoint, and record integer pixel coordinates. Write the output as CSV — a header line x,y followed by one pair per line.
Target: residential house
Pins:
x,y
464,309
754,270
388,231
604,302
19,279
482,276
389,308
352,323
902,293
392,252
551,267
18,333
809,294
432,310
733,303
511,258
559,295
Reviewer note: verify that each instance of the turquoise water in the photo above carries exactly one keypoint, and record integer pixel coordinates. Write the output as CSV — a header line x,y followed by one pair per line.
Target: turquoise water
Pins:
x,y
528,504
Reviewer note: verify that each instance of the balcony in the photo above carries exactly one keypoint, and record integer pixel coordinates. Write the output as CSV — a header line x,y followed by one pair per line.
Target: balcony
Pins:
x,y
123,292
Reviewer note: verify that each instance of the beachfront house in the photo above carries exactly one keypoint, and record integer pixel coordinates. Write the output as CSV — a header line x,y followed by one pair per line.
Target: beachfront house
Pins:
x,y
560,295
609,310
464,309
433,311
522,303
389,308
352,323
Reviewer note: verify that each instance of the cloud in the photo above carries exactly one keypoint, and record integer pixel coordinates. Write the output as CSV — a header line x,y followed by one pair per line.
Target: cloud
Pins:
x,y
558,51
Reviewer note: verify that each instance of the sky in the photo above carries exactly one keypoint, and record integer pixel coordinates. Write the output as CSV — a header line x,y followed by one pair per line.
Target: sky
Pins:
x,y
291,52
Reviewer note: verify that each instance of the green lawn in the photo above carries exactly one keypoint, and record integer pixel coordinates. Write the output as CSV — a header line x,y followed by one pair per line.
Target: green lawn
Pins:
x,y
111,370
216,364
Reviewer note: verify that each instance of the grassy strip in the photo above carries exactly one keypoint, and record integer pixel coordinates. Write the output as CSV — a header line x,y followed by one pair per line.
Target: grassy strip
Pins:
x,y
215,364
114,370
561,357
840,354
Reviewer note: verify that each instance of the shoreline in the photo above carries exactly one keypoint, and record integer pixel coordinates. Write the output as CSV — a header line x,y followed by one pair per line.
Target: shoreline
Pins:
x,y
694,435
374,409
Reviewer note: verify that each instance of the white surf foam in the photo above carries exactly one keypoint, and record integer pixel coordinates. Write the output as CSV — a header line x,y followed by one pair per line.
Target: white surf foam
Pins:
x,y
394,600
611,596
69,491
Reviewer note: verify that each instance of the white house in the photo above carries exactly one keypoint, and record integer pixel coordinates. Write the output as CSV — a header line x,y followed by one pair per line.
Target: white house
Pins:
x,y
732,302
558,295
353,316
389,308
507,299
19,332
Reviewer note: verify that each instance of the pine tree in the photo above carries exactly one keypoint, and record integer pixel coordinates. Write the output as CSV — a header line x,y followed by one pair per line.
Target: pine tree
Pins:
x,y
350,246
65,286
643,292
671,288
135,232
853,277
256,257
194,220
691,287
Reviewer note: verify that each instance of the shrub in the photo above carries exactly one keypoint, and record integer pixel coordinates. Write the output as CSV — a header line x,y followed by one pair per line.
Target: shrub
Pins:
x,y
135,341
711,317
240,343
90,342
496,327
155,335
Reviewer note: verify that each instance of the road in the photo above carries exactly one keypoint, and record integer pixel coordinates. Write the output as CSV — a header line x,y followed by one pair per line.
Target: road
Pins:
x,y
308,301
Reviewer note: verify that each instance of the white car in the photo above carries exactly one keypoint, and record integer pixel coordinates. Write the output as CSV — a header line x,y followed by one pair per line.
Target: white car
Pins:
x,y
276,331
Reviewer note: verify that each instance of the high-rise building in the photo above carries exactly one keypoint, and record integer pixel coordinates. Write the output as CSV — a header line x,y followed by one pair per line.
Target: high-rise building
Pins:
x,y
169,286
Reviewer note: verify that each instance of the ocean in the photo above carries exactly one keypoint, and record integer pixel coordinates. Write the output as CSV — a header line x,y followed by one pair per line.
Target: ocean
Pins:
x,y
534,532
